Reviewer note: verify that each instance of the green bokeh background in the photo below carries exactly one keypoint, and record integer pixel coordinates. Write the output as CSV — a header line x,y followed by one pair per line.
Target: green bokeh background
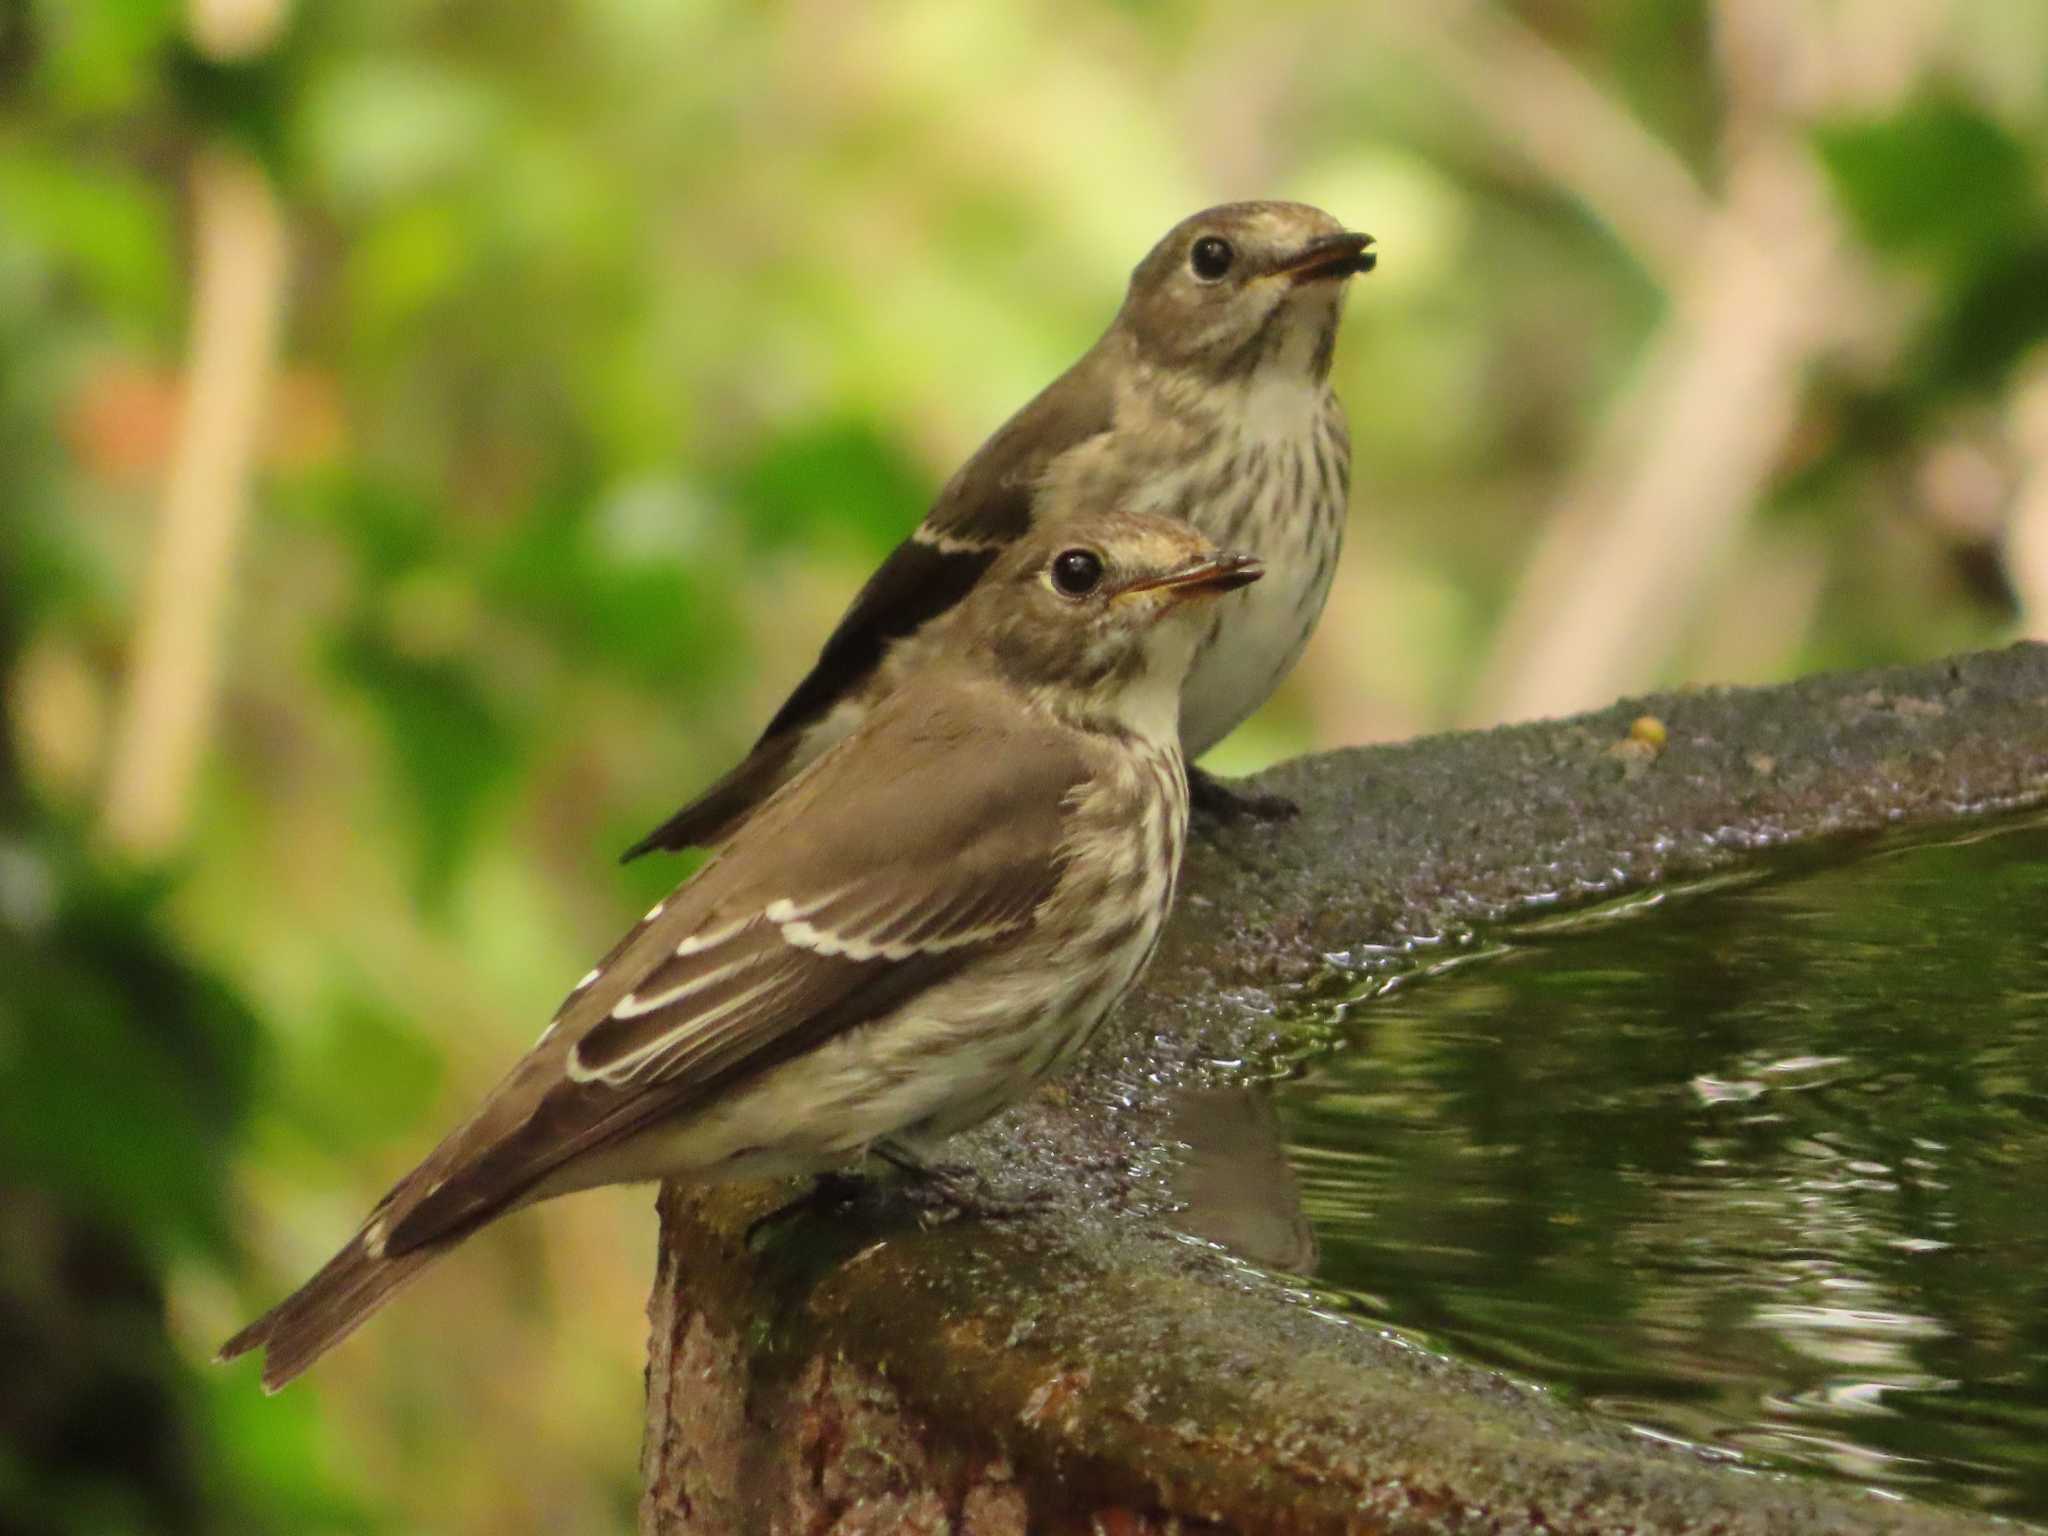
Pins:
x,y
620,339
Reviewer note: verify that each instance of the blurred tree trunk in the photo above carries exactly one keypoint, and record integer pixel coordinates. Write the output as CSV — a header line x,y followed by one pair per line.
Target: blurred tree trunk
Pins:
x,y
238,297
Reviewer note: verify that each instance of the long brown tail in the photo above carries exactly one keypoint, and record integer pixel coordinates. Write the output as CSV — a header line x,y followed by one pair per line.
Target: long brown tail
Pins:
x,y
327,1308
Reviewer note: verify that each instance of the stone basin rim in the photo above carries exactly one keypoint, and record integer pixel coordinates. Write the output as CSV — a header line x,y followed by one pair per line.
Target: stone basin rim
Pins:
x,y
1087,1361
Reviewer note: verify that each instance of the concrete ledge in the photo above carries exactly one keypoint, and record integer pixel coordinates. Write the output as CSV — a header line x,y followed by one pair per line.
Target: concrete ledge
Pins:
x,y
1091,1370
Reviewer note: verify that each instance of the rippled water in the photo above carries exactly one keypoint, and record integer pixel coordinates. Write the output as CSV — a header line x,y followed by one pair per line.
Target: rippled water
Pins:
x,y
1764,1167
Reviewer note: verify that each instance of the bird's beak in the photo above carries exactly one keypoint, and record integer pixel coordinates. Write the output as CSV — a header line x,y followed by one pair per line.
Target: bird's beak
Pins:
x,y
1332,256
1204,578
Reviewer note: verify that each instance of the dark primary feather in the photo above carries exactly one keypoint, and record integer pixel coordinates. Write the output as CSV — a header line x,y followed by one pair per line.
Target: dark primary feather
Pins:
x,y
985,506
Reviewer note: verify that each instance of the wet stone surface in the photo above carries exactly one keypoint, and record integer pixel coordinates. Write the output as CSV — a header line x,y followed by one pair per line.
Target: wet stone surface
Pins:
x,y
1094,1367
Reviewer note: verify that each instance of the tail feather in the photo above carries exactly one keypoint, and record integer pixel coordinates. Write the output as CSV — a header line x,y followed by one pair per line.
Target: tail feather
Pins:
x,y
327,1308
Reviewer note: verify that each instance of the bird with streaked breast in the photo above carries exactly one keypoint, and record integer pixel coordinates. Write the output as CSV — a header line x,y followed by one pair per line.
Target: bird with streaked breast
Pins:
x,y
926,921
1208,400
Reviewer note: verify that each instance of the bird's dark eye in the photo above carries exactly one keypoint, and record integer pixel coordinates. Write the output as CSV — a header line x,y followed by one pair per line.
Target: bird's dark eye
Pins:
x,y
1076,572
1211,258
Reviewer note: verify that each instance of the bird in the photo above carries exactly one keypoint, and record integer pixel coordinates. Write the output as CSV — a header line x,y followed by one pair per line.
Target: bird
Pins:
x,y
1208,399
929,919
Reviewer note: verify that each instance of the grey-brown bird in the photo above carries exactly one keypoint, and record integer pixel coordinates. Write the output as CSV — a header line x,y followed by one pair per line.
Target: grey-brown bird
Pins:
x,y
905,938
1208,399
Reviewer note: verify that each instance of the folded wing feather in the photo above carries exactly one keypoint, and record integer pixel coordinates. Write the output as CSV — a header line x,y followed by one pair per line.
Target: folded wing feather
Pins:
x,y
778,943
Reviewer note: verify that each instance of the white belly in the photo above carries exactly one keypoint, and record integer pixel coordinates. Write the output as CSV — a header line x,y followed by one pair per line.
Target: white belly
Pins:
x,y
1256,636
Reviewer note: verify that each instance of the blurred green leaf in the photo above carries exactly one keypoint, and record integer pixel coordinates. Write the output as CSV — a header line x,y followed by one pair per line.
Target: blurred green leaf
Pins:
x,y
101,56
451,748
405,264
124,1070
248,101
378,128
368,1075
1939,179
271,1452
831,478
624,586
1992,320
108,229
1652,54
389,531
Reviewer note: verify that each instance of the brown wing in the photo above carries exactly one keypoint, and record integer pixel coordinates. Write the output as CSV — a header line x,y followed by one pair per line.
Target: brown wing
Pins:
x,y
919,845
988,501
985,506
918,582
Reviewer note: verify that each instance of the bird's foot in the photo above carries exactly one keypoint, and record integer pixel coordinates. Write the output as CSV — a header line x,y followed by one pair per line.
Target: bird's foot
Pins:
x,y
1219,801
945,1191
955,1193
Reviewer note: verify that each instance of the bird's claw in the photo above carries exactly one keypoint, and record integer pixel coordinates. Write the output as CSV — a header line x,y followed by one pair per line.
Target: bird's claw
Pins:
x,y
945,1191
956,1193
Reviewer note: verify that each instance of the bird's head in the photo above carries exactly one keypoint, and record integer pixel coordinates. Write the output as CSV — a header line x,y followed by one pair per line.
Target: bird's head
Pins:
x,y
1098,616
1242,289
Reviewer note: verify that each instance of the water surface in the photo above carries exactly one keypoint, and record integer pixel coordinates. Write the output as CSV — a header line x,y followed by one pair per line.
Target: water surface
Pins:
x,y
1763,1167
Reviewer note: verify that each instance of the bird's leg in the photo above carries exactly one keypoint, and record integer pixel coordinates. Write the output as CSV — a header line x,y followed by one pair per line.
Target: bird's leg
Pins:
x,y
1213,798
953,1188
